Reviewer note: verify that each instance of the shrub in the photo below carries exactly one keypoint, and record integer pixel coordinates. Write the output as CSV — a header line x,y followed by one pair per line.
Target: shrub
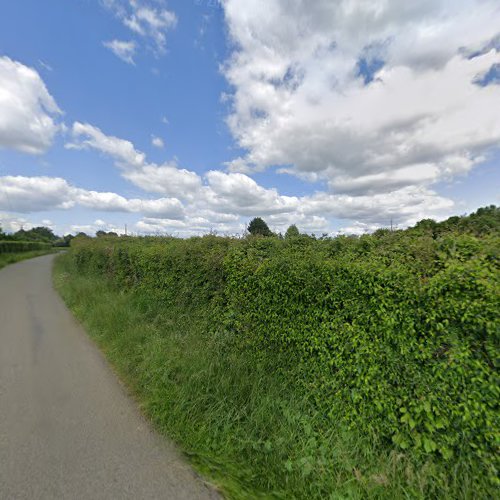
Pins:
x,y
395,334
22,246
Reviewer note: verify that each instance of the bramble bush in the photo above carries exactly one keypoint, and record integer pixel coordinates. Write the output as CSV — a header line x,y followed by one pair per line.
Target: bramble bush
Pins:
x,y
395,334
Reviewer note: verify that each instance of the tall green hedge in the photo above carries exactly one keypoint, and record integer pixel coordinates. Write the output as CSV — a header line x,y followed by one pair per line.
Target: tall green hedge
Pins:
x,y
396,334
22,246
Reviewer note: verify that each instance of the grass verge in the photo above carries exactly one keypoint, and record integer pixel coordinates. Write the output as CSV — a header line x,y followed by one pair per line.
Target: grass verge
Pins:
x,y
243,425
11,258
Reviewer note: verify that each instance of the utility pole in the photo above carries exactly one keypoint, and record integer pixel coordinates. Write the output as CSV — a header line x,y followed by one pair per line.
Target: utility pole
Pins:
x,y
391,224
125,229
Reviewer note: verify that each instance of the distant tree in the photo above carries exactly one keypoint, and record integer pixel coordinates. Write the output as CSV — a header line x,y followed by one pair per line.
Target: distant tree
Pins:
x,y
427,226
382,232
41,233
258,226
485,220
292,232
101,234
65,241
81,235
5,236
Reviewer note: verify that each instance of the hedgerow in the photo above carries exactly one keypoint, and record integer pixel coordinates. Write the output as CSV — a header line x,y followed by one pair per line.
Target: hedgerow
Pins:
x,y
22,246
395,334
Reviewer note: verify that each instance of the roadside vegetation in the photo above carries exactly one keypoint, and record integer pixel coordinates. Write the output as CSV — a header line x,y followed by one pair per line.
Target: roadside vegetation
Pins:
x,y
15,251
11,258
36,235
23,244
297,367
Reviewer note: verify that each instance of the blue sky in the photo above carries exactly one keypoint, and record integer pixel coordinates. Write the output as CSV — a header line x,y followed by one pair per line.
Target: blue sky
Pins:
x,y
182,117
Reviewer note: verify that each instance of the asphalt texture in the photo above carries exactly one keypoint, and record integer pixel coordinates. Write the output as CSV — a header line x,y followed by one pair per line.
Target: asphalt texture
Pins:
x,y
68,429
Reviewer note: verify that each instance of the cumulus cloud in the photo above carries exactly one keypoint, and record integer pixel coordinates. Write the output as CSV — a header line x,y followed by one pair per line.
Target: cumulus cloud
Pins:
x,y
36,194
150,20
238,193
87,136
112,202
406,206
165,179
11,223
98,225
122,49
28,113
193,225
416,115
224,201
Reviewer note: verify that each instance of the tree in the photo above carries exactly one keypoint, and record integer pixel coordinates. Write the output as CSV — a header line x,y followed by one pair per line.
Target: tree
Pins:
x,y
292,232
65,241
44,234
102,234
258,226
427,226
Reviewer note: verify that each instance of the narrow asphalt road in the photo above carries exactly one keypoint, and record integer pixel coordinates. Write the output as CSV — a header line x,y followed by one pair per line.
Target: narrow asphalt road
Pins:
x,y
67,427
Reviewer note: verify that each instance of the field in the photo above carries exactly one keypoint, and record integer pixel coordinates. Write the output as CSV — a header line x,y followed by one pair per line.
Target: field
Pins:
x,y
310,368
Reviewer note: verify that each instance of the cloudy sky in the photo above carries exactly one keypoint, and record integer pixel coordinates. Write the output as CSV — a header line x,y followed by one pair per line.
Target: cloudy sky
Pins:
x,y
189,116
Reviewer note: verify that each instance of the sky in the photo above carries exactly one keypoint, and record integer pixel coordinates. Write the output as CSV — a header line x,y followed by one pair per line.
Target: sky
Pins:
x,y
185,117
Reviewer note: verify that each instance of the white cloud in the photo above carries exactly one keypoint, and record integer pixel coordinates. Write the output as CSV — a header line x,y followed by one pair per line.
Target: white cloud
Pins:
x,y
157,142
35,194
89,137
10,223
166,179
300,101
238,193
358,229
28,113
191,226
404,206
226,201
122,49
150,20
98,225
112,202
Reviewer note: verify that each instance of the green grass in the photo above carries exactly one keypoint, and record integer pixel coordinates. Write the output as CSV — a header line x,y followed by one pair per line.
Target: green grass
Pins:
x,y
243,425
11,258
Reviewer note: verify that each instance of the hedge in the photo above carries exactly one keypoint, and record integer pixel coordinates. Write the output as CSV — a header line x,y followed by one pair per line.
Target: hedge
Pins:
x,y
395,334
22,246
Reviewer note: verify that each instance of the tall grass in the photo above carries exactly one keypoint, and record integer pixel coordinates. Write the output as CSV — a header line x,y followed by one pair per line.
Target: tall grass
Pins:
x,y
242,423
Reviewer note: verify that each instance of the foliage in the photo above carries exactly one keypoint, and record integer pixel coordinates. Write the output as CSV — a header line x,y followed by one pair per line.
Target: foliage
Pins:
x,y
258,227
11,258
65,241
393,335
43,234
102,234
22,246
484,221
292,232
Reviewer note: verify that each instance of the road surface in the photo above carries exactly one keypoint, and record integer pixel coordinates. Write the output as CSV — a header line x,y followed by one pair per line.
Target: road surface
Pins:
x,y
67,427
